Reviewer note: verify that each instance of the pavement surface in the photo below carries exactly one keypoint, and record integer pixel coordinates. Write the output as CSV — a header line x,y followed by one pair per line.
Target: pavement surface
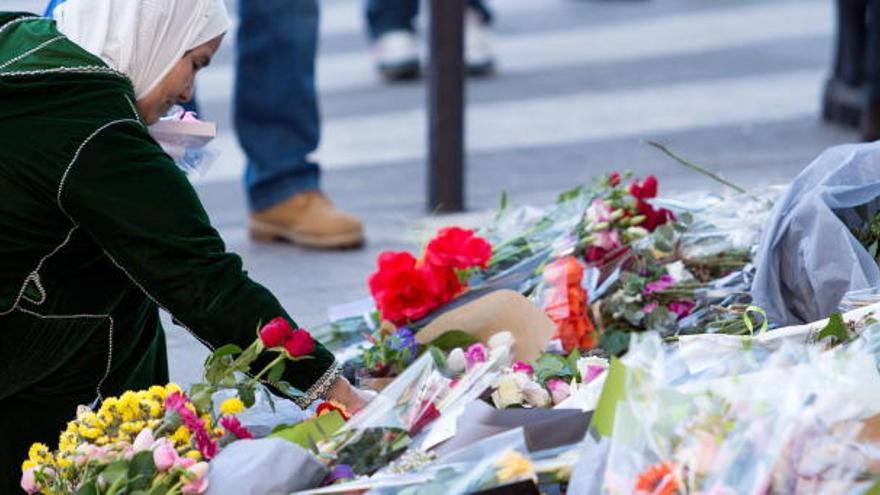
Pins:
x,y
582,84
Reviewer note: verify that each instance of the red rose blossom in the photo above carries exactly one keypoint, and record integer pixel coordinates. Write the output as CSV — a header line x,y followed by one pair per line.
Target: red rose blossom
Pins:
x,y
614,179
642,192
299,343
275,332
458,248
405,291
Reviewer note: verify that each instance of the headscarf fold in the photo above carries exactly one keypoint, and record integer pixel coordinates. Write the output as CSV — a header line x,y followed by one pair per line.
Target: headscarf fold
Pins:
x,y
143,39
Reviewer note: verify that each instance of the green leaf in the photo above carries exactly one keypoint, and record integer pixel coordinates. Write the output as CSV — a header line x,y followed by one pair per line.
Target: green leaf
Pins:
x,y
313,430
141,470
572,363
89,488
615,342
247,394
835,330
277,371
551,366
226,350
115,471
438,356
452,339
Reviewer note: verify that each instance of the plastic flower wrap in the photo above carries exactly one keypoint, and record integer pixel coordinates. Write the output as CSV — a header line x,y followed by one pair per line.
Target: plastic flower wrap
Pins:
x,y
794,419
426,391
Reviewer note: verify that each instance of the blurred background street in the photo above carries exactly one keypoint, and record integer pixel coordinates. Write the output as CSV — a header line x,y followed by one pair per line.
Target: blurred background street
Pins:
x,y
734,85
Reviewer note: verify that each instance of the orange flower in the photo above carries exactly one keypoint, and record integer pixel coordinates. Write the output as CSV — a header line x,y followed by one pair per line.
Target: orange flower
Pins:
x,y
565,302
659,479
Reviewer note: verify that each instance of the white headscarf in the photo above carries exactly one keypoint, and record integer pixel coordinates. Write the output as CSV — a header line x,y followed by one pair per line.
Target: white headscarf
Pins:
x,y
143,39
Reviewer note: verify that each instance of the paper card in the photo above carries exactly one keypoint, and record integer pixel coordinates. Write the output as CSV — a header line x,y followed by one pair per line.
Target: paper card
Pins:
x,y
313,430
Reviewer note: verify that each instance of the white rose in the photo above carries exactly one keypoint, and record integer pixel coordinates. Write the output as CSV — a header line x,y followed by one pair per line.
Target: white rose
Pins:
x,y
456,362
535,395
501,339
507,392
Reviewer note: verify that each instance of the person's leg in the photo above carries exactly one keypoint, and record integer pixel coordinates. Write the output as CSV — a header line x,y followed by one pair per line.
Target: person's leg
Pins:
x,y
384,16
278,125
391,29
276,104
480,7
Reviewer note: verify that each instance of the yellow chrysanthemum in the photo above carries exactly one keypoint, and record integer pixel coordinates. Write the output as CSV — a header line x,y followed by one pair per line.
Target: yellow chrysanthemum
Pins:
x,y
158,393
194,454
28,464
64,462
181,436
102,440
89,433
67,442
172,387
209,421
39,453
231,406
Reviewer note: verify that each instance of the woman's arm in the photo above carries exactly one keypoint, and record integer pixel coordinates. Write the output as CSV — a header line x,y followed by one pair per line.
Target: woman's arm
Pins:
x,y
127,194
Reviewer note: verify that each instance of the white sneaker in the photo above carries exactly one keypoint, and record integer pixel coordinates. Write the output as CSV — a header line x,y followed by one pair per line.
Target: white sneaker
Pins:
x,y
479,57
397,55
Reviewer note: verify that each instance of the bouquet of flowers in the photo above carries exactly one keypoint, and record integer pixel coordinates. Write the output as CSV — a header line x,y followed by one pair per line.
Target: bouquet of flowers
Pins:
x,y
406,289
159,441
435,384
551,380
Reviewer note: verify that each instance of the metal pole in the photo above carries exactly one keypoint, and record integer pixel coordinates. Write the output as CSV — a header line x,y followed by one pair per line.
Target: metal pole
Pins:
x,y
446,107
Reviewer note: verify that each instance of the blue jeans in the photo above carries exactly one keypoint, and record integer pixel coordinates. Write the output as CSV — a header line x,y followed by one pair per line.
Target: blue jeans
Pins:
x,y
395,15
276,102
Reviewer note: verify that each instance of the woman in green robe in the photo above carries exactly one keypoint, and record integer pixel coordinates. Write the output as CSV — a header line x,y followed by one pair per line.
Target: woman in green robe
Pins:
x,y
99,228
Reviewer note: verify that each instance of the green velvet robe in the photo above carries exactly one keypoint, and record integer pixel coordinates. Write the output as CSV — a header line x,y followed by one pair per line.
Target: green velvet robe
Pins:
x,y
98,230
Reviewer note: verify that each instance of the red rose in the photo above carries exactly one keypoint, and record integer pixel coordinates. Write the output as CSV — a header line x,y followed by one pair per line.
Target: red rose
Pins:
x,y
275,332
614,179
443,282
647,190
403,291
458,248
299,343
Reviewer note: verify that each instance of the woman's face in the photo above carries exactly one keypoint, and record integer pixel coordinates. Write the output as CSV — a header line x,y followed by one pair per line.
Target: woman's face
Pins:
x,y
177,86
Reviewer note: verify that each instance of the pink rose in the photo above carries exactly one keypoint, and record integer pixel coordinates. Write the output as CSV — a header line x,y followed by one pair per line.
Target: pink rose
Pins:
x,y
29,481
609,240
559,390
195,487
475,355
521,367
164,456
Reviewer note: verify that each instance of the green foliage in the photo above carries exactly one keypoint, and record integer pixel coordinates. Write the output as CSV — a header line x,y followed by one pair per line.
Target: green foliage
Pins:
x,y
453,339
835,332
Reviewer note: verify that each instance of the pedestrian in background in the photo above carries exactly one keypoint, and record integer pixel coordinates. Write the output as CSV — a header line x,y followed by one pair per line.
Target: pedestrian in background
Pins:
x,y
391,25
852,94
278,123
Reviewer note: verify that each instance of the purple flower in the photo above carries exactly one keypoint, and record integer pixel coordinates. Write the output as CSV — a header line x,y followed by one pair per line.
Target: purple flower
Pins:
x,y
475,355
648,308
681,308
402,339
661,283
340,472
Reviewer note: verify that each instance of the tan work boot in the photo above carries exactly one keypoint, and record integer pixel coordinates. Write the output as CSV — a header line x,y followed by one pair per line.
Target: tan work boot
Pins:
x,y
308,219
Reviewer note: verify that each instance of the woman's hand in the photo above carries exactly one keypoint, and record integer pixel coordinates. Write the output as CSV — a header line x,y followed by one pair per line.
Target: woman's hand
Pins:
x,y
352,398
